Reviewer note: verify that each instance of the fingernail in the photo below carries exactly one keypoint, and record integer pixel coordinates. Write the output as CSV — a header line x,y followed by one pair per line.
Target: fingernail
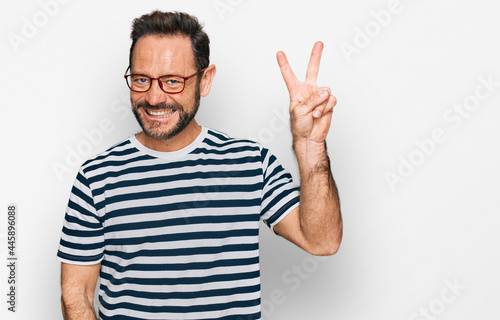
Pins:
x,y
323,94
317,114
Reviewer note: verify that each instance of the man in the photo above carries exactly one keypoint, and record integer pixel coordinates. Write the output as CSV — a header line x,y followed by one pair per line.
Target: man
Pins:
x,y
169,217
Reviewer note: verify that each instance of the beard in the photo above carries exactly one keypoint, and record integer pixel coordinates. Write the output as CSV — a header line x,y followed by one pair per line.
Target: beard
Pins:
x,y
153,129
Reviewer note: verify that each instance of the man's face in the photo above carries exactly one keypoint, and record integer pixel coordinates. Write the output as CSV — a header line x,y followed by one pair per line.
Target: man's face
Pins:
x,y
161,115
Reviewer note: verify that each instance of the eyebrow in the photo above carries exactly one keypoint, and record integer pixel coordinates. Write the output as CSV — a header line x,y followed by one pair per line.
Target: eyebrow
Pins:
x,y
163,75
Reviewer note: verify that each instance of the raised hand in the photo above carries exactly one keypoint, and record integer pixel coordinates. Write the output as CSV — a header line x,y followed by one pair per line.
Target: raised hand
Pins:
x,y
316,224
311,107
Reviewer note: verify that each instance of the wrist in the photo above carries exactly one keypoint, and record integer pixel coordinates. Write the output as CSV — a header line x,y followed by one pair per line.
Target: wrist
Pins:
x,y
311,157
309,148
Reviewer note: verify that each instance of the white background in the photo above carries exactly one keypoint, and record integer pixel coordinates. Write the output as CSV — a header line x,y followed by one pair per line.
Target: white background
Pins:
x,y
406,242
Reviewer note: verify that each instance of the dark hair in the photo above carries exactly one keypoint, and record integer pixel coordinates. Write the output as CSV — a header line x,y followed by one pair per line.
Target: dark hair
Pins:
x,y
173,23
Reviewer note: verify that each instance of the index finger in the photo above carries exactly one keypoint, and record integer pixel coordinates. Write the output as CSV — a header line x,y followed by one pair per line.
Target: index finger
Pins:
x,y
286,71
313,66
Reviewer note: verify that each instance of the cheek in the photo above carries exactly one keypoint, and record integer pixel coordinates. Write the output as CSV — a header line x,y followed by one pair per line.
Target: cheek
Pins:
x,y
133,101
187,97
182,99
136,97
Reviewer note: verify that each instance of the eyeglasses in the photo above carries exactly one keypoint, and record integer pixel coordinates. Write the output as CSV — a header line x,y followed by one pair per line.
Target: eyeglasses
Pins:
x,y
169,83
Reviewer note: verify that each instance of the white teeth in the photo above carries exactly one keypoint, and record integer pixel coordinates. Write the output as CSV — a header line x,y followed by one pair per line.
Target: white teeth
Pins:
x,y
161,113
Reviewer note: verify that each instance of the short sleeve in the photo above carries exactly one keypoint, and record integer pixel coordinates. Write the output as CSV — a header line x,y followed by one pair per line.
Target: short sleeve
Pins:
x,y
280,195
82,238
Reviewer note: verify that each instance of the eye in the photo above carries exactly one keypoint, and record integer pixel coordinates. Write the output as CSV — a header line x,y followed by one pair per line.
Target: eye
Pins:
x,y
140,80
171,81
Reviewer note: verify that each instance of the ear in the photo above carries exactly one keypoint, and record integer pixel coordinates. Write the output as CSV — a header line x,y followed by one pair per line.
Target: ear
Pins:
x,y
206,80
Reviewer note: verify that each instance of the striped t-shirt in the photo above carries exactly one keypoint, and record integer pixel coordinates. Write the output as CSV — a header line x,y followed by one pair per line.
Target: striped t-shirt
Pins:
x,y
176,233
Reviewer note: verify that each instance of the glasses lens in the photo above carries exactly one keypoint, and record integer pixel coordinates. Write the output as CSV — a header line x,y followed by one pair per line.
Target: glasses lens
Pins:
x,y
138,82
172,84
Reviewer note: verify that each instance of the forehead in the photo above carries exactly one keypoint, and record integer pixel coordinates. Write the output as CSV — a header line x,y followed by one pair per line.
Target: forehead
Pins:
x,y
159,55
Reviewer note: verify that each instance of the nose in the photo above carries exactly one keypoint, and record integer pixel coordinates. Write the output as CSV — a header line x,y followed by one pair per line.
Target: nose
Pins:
x,y
155,95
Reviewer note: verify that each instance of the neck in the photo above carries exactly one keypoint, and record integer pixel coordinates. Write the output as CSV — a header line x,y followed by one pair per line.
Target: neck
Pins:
x,y
182,140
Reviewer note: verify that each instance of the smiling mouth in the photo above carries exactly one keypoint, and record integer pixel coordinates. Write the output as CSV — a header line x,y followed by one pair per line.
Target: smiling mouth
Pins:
x,y
160,114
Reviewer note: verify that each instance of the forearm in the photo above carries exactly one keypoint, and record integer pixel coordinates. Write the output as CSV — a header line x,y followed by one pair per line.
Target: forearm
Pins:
x,y
77,308
320,217
77,291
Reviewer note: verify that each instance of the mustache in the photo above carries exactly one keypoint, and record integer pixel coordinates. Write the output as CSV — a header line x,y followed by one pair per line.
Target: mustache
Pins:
x,y
159,106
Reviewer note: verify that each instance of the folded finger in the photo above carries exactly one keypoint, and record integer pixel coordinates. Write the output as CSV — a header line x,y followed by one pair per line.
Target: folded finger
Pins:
x,y
325,107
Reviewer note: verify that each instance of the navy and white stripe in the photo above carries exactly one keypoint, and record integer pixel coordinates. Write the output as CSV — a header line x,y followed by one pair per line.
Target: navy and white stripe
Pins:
x,y
176,233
